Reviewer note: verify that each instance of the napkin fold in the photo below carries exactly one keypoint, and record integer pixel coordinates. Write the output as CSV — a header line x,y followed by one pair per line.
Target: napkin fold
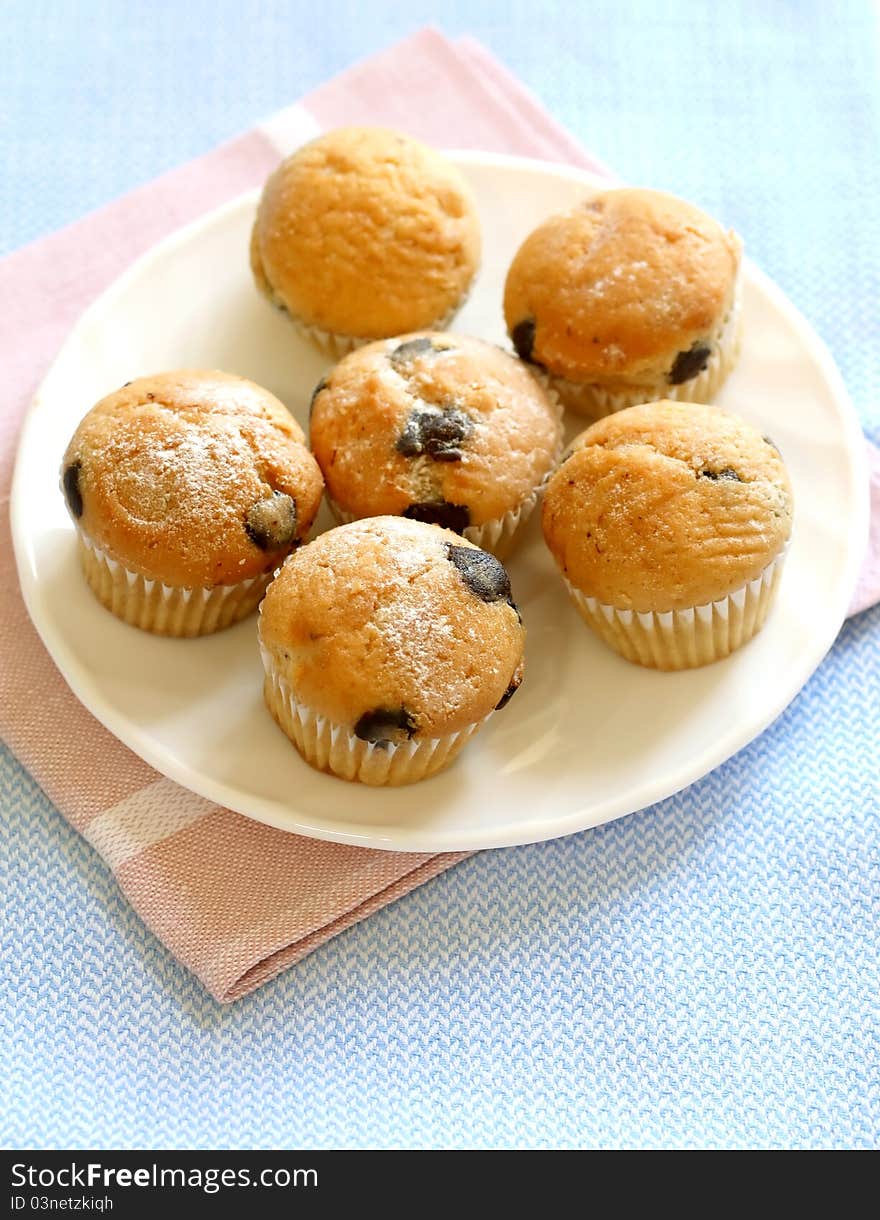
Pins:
x,y
235,901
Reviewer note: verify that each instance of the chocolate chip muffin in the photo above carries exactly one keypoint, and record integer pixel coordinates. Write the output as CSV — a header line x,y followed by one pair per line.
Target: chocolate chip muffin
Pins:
x,y
387,643
438,428
187,490
631,296
365,233
669,523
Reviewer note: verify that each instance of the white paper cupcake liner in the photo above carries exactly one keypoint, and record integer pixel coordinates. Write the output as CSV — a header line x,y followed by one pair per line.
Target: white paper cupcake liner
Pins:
x,y
334,748
337,345
166,609
497,536
595,401
329,344
684,639
500,535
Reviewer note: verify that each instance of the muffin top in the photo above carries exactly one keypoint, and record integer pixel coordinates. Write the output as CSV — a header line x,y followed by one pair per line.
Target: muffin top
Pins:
x,y
434,426
394,629
625,289
365,232
192,478
666,506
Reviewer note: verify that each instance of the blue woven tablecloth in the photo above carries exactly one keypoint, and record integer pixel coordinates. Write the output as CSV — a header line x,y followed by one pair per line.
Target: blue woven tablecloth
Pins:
x,y
703,974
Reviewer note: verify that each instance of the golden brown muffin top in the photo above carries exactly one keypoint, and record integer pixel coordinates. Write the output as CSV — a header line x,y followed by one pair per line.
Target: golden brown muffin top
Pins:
x,y
365,232
436,424
394,629
666,506
622,289
192,478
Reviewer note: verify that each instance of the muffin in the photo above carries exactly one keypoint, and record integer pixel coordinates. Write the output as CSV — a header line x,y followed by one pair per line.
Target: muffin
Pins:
x,y
438,428
387,643
365,233
629,297
669,523
187,490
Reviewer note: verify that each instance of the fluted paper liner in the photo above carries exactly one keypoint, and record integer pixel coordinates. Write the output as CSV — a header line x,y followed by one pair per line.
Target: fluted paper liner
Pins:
x,y
334,748
684,639
337,345
166,609
497,536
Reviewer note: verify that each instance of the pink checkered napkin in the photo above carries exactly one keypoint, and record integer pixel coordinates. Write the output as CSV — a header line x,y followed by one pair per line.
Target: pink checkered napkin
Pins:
x,y
233,900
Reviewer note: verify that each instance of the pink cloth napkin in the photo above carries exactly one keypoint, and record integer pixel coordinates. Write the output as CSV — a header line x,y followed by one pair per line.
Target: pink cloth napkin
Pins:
x,y
235,901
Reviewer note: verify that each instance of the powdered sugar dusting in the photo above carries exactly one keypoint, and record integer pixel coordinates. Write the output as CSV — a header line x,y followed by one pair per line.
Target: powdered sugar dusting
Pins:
x,y
510,435
374,615
172,466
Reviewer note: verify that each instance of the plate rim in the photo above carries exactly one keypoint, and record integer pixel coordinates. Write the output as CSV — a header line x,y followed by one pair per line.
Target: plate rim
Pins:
x,y
421,839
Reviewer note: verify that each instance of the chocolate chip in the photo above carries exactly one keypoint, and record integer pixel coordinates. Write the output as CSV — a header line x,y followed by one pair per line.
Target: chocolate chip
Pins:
x,y
322,385
523,337
384,726
72,493
727,473
454,517
482,573
510,692
409,443
127,384
434,432
271,523
688,364
406,352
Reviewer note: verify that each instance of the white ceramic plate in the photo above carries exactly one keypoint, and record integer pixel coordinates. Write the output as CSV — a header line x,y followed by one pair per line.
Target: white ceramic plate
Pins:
x,y
589,737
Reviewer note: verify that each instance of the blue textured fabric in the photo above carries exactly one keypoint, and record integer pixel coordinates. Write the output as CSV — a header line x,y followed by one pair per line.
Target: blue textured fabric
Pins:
x,y
703,974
